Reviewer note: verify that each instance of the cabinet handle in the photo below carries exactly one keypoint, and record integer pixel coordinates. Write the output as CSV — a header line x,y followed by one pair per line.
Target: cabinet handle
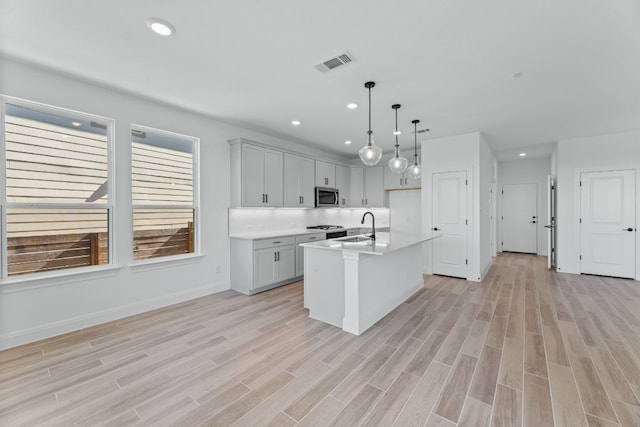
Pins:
x,y
400,181
302,198
275,243
275,256
278,255
405,181
366,201
344,202
266,198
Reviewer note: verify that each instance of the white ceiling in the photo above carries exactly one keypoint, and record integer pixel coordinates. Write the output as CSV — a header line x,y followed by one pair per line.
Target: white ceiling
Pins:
x,y
449,63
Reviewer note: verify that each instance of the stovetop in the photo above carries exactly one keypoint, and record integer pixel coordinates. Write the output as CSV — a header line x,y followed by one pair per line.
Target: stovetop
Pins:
x,y
325,227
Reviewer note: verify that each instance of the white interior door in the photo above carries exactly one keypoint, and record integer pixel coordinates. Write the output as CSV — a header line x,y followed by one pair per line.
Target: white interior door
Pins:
x,y
450,219
607,223
520,218
551,222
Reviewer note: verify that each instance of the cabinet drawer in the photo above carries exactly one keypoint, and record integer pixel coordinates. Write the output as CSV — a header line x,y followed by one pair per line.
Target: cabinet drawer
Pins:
x,y
311,237
276,241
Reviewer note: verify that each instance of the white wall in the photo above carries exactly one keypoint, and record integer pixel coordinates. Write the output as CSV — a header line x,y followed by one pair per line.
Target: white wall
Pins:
x,y
605,152
461,153
487,173
406,212
527,171
33,310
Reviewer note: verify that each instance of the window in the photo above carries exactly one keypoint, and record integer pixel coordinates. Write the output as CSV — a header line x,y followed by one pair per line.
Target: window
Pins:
x,y
56,207
164,188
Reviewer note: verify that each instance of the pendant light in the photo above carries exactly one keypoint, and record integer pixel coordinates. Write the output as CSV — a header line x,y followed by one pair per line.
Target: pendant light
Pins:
x,y
370,154
397,164
415,171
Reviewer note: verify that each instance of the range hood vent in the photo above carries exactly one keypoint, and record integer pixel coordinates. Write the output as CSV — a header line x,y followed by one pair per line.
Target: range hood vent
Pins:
x,y
335,62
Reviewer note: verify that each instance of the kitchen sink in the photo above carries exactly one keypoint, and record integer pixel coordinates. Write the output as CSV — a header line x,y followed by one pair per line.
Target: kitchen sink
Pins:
x,y
356,239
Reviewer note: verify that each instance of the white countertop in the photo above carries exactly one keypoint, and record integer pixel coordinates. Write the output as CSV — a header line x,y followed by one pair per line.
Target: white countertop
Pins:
x,y
284,233
385,242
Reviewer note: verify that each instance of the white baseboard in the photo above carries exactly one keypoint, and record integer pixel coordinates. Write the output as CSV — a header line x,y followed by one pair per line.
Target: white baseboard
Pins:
x,y
25,336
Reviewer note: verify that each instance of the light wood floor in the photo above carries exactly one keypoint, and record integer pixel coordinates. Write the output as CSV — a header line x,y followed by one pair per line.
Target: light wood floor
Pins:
x,y
526,347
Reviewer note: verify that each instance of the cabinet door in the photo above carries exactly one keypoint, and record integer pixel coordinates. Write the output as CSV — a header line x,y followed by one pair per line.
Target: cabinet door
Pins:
x,y
299,260
343,182
325,174
264,263
306,187
285,264
374,186
357,187
393,181
252,176
412,182
292,181
273,183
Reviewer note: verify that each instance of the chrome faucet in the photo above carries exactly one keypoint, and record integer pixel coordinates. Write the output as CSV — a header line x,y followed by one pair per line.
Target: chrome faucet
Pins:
x,y
373,224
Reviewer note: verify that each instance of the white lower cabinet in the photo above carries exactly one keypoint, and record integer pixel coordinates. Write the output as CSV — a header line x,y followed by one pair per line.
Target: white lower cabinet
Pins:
x,y
300,250
261,264
258,265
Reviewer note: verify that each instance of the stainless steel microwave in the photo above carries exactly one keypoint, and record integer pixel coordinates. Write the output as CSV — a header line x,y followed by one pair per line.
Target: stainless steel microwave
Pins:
x,y
327,197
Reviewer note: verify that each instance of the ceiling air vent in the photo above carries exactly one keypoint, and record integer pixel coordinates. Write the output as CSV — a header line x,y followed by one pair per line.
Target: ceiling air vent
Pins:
x,y
335,62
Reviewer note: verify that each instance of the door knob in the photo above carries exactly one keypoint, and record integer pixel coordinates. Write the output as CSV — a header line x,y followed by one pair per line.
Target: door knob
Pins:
x,y
627,229
435,229
532,222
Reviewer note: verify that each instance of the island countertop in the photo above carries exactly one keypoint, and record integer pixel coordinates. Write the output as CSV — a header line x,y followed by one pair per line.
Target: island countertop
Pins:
x,y
385,242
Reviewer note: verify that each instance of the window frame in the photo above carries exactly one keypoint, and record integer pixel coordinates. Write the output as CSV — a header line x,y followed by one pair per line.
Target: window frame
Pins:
x,y
195,206
109,206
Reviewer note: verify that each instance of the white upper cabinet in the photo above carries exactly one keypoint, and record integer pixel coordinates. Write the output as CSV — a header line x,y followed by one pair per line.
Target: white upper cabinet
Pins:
x,y
343,184
367,187
298,181
256,176
399,181
374,186
325,174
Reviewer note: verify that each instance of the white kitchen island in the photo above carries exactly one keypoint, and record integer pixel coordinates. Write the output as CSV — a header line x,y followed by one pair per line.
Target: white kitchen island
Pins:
x,y
353,284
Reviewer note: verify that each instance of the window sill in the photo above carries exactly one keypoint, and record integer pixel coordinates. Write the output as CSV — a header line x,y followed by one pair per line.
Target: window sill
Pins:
x,y
163,262
43,280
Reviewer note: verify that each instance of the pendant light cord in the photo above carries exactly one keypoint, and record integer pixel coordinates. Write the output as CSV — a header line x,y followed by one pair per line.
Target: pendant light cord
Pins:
x,y
369,131
397,145
415,142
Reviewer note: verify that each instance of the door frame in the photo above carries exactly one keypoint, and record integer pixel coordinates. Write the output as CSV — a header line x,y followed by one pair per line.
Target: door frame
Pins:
x,y
427,214
501,189
577,211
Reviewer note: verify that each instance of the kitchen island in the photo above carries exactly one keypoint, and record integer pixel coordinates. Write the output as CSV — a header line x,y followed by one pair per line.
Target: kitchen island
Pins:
x,y
353,282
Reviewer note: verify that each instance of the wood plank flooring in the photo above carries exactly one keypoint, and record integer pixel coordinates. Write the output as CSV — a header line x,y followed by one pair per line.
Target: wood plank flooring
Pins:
x,y
525,347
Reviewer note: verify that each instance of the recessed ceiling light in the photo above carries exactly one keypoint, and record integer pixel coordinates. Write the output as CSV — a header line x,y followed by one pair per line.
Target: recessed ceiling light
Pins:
x,y
160,27
76,124
347,142
523,154
352,106
295,122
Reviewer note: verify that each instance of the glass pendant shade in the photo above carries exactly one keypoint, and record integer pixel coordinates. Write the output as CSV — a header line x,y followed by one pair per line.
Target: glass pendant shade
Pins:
x,y
397,164
370,154
415,171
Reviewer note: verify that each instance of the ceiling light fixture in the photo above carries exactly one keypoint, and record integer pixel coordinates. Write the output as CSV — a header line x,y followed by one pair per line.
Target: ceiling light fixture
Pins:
x,y
397,163
370,154
160,27
352,106
295,122
523,154
415,171
347,142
